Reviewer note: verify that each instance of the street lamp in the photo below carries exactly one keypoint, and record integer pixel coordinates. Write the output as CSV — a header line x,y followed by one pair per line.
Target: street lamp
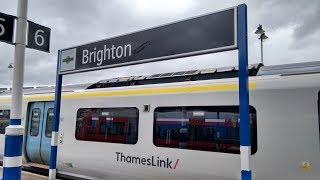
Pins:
x,y
262,36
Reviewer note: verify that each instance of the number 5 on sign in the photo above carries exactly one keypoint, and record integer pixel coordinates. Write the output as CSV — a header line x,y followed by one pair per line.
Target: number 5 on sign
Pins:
x,y
2,29
6,28
38,37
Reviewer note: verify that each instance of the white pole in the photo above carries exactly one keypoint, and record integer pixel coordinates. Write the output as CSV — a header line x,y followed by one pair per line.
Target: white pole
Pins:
x,y
19,54
14,132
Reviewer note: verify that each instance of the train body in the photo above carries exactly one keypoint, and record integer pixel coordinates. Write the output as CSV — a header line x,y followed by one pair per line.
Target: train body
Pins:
x,y
182,130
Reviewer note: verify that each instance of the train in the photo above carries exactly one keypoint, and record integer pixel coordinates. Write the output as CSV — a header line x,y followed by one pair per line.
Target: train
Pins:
x,y
181,125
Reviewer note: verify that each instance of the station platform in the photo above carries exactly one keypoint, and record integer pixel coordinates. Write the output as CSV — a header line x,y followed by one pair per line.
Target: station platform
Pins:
x,y
28,176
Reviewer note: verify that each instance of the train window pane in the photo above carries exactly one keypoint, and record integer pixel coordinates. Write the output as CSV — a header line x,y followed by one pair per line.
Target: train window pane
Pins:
x,y
48,131
4,120
35,122
206,128
115,125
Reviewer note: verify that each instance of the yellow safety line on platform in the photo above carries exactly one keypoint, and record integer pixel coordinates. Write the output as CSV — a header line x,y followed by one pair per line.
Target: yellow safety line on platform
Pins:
x,y
159,90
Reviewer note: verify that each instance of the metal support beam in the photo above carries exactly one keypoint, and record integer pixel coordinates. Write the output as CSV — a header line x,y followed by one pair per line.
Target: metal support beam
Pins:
x,y
56,122
12,160
245,134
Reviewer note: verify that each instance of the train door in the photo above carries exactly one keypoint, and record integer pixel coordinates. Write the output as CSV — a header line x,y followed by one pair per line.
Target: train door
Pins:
x,y
39,132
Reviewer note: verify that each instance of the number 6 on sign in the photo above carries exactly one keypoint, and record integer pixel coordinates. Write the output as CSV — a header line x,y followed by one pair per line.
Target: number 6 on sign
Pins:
x,y
38,37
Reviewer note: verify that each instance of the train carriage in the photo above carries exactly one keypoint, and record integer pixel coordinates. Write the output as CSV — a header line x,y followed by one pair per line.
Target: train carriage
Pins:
x,y
182,125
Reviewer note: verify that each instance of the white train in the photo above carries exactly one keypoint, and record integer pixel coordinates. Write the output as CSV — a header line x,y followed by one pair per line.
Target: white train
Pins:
x,y
180,125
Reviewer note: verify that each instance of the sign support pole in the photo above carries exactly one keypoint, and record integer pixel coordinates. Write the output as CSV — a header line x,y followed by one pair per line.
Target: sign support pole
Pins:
x,y
12,161
55,125
245,134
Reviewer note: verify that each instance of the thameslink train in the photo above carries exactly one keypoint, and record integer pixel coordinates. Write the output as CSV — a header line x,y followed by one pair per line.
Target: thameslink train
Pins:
x,y
182,125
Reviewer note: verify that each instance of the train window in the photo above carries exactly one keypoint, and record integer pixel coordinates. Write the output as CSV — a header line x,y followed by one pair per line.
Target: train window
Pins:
x,y
49,122
207,128
4,120
35,122
116,125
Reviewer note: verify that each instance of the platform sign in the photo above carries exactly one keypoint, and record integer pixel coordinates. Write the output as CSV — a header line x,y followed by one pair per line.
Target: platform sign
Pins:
x,y
6,28
38,37
209,33
219,31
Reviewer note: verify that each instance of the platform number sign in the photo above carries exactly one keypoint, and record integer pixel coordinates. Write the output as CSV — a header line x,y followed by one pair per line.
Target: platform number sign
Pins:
x,y
6,28
38,37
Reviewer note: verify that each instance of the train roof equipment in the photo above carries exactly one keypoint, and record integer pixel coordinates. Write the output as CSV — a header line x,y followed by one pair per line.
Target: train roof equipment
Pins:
x,y
290,69
182,76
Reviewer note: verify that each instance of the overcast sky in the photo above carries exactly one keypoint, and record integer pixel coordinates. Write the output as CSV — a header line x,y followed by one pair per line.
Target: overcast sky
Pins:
x,y
292,26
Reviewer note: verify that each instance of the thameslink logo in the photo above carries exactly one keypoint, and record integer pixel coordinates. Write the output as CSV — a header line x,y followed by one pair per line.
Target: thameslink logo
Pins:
x,y
148,161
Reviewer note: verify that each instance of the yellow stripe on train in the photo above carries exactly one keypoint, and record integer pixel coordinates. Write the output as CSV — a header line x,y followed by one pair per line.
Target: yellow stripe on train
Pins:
x,y
159,90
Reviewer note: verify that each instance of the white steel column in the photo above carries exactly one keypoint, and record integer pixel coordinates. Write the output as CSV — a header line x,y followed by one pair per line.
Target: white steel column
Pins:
x,y
14,132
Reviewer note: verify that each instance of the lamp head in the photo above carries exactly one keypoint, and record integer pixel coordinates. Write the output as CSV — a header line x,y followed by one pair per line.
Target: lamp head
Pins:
x,y
259,30
263,36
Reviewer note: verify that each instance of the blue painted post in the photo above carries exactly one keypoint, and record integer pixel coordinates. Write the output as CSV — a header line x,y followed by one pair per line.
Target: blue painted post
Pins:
x,y
12,160
55,125
245,136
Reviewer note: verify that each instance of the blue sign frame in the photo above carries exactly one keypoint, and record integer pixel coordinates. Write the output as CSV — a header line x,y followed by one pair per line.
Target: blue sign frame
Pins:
x,y
245,134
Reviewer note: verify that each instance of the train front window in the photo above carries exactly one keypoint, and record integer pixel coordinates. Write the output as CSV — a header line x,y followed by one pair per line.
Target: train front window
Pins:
x,y
4,120
201,128
35,122
49,122
116,125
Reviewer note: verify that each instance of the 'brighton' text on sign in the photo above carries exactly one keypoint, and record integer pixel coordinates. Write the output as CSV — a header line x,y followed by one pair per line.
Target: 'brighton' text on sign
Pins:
x,y
201,35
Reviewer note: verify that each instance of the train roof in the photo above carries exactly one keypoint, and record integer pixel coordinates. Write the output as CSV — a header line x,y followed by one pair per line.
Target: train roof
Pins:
x,y
48,89
290,69
182,76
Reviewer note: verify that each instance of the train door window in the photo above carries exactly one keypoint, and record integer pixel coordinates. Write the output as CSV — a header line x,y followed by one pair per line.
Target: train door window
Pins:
x,y
207,128
49,120
35,122
4,120
115,125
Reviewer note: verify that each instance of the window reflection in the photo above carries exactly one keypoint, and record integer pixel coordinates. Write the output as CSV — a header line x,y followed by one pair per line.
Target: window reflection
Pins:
x,y
35,122
49,122
201,128
117,125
